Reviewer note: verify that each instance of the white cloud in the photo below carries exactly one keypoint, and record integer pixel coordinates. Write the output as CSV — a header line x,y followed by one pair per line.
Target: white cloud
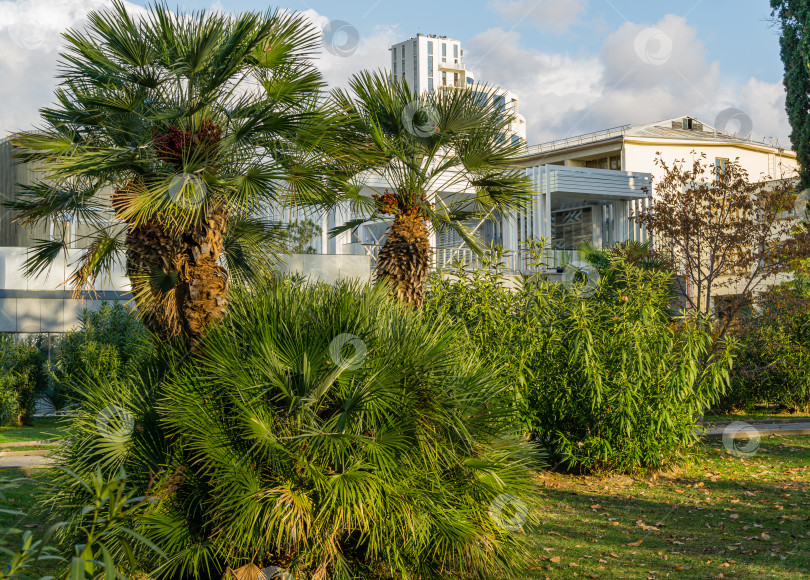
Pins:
x,y
546,15
765,104
30,41
549,85
30,38
644,73
350,52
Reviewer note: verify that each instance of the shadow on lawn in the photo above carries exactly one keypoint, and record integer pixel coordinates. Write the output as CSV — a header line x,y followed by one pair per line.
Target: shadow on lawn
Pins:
x,y
749,522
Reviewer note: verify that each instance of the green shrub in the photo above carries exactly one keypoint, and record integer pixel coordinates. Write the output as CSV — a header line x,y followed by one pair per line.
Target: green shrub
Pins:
x,y
773,358
323,430
603,378
107,544
23,375
9,405
110,344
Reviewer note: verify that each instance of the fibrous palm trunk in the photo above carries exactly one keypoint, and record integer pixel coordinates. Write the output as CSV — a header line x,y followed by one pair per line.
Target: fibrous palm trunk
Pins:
x,y
179,285
404,259
203,288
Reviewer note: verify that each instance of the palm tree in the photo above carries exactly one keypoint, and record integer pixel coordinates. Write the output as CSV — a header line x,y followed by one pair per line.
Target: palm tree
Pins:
x,y
171,134
452,141
639,254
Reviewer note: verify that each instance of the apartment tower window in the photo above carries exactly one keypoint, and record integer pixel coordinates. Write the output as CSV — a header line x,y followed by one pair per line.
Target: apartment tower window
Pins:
x,y
415,68
430,65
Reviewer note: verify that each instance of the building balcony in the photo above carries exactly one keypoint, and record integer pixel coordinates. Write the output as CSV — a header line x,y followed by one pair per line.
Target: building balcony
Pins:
x,y
452,66
590,184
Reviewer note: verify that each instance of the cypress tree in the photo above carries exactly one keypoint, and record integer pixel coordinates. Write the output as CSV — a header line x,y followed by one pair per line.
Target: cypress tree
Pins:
x,y
794,17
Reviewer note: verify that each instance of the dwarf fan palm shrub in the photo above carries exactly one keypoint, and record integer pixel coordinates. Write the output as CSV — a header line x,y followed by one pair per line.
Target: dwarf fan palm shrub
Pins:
x,y
328,432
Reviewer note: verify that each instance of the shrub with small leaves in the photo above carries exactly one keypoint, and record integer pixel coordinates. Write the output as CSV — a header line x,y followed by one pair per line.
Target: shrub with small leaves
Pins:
x,y
603,377
22,376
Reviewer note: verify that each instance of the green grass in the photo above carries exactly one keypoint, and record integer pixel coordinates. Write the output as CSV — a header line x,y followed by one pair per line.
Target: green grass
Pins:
x,y
44,428
742,518
22,490
723,517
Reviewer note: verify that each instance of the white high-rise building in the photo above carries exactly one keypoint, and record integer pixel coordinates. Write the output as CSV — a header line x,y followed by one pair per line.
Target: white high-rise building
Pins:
x,y
435,63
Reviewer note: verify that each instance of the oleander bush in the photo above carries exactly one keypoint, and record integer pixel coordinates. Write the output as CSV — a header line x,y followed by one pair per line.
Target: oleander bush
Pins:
x,y
106,545
110,344
23,375
602,375
773,359
320,429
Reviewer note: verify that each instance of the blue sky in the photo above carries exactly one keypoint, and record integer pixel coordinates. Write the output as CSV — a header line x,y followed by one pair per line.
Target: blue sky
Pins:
x,y
738,33
577,65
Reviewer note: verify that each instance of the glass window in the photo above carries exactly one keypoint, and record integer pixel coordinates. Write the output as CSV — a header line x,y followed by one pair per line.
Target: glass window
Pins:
x,y
395,68
430,47
720,167
415,69
395,53
444,49
444,78
430,85
499,102
455,51
430,66
515,140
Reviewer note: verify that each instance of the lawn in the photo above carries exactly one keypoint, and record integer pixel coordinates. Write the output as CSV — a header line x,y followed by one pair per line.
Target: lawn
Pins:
x,y
43,428
722,517
21,491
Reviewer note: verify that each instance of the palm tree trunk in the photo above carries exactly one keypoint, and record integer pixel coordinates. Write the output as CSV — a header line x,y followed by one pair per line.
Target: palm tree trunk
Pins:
x,y
203,289
405,258
180,288
152,252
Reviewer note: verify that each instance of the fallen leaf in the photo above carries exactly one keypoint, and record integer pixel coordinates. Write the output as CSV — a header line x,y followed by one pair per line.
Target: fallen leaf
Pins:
x,y
638,543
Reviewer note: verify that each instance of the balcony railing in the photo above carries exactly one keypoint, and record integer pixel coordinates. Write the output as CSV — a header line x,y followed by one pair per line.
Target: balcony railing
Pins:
x,y
454,66
509,262
577,140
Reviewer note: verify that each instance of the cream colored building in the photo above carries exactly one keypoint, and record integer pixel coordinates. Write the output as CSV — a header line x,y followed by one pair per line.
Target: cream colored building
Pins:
x,y
635,149
628,150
